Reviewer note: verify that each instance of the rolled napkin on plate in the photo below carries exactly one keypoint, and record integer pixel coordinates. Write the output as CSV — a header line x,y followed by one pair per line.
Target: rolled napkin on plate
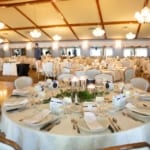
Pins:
x,y
36,119
92,121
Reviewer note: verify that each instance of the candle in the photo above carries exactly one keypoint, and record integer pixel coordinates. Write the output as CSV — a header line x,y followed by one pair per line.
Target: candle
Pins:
x,y
74,81
83,81
91,88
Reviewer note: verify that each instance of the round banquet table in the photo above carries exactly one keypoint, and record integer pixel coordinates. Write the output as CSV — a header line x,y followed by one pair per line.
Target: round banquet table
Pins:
x,y
63,136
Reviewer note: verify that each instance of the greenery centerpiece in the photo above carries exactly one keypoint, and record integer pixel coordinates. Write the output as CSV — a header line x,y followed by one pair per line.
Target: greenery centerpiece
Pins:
x,y
85,96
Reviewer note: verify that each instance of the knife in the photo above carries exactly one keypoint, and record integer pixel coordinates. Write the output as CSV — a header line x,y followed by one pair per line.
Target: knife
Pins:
x,y
135,119
48,124
111,128
10,110
130,116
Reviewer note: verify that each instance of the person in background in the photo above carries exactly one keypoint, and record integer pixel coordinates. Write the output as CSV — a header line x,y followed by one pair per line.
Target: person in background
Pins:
x,y
37,52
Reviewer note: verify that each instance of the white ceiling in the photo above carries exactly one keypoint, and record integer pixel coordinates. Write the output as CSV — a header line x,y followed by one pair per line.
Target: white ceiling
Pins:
x,y
71,19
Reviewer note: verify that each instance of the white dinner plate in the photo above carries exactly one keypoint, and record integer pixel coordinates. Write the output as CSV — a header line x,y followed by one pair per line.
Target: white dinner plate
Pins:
x,y
144,97
10,105
138,116
102,121
47,119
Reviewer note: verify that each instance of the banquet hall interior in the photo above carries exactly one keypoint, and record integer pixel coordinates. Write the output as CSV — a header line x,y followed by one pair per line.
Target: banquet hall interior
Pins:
x,y
86,84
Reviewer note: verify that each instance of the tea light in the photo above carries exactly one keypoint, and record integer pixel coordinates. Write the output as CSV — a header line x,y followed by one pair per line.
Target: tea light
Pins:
x,y
91,87
83,81
74,81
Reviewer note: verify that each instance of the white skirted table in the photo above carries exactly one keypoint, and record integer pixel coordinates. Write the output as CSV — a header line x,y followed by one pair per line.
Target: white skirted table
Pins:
x,y
63,136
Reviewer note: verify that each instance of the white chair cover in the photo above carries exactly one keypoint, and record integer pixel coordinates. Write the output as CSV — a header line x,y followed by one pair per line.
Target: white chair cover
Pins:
x,y
140,83
129,73
22,82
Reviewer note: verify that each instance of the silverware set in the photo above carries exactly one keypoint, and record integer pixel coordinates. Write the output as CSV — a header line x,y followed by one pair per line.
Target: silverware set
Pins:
x,y
48,126
114,127
75,125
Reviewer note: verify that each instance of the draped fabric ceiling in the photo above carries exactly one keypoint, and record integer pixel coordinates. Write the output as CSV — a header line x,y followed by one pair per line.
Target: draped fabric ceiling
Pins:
x,y
71,19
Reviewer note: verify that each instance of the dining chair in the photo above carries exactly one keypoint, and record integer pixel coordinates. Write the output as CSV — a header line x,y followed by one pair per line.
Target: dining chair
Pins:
x,y
22,82
65,78
7,144
103,77
91,73
48,69
140,83
39,69
129,73
132,146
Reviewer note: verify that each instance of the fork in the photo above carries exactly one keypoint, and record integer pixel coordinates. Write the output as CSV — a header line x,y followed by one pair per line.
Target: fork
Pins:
x,y
75,125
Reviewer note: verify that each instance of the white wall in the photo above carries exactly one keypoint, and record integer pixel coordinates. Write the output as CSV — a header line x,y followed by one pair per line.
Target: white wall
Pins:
x,y
85,49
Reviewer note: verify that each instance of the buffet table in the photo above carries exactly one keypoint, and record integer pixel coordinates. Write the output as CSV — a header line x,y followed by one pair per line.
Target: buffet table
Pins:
x,y
63,136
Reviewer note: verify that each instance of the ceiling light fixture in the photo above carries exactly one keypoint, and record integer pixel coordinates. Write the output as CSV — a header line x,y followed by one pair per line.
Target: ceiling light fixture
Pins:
x,y
1,25
130,36
35,33
98,32
143,16
56,37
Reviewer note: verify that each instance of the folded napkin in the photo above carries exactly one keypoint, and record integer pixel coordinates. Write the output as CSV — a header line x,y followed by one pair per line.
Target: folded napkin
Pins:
x,y
92,121
22,92
38,117
16,103
56,105
89,106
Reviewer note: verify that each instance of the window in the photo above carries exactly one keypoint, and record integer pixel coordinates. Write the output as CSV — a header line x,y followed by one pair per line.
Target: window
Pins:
x,y
46,51
18,51
128,52
96,51
108,51
141,52
71,51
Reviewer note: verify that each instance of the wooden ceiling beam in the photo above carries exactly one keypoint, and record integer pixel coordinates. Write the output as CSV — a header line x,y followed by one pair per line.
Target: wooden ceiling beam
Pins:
x,y
32,22
8,4
65,20
100,17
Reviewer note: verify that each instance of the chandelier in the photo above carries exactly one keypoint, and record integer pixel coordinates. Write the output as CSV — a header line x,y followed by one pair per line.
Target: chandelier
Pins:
x,y
98,32
130,36
143,16
35,33
56,37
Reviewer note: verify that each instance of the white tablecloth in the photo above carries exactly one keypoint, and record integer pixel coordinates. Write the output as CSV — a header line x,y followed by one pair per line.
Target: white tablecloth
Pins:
x,y
10,69
63,137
